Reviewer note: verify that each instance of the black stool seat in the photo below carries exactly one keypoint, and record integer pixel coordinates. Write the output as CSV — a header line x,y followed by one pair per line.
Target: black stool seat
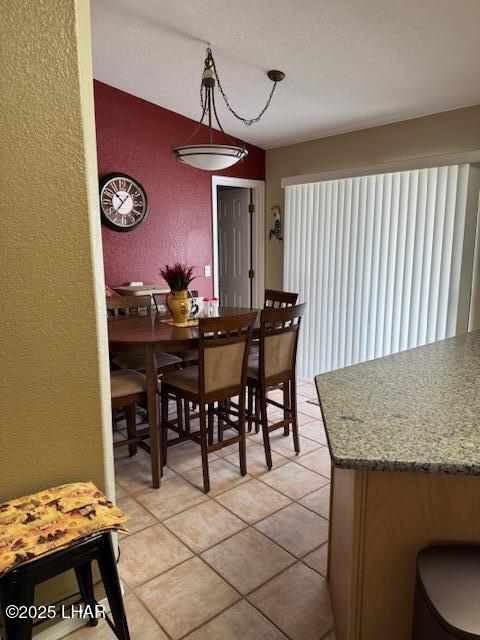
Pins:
x,y
17,587
447,600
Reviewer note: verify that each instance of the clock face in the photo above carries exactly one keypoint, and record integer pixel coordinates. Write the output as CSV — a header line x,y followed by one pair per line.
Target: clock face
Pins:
x,y
123,202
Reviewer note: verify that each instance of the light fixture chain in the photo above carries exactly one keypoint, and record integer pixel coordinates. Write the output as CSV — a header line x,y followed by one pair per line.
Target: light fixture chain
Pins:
x,y
247,121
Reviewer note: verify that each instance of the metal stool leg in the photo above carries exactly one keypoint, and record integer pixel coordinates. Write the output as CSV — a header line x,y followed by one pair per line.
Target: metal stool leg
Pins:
x,y
85,584
19,594
108,569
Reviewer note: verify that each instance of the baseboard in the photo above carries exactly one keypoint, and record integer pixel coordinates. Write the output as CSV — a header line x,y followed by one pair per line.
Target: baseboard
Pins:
x,y
67,625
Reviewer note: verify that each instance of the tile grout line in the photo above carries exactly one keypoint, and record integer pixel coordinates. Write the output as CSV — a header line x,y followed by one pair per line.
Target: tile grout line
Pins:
x,y
214,498
249,593
152,614
327,481
312,510
210,619
261,584
196,555
298,561
173,514
295,559
247,525
278,543
244,597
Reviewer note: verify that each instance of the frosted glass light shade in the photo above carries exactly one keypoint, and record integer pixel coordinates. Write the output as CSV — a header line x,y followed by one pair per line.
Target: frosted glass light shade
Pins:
x,y
210,157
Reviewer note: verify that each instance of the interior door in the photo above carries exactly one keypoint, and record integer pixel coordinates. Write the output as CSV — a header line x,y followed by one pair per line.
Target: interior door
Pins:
x,y
234,246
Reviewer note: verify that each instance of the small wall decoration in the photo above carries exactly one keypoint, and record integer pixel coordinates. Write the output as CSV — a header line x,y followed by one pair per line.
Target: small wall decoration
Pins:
x,y
123,202
276,232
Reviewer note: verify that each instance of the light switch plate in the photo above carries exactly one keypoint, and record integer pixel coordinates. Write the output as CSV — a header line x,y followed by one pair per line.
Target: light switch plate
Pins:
x,y
207,271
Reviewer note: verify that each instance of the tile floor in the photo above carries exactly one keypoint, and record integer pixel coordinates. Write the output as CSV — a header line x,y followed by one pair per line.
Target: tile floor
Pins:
x,y
246,562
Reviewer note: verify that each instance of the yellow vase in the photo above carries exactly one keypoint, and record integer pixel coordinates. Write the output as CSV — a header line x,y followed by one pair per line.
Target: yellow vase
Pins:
x,y
179,305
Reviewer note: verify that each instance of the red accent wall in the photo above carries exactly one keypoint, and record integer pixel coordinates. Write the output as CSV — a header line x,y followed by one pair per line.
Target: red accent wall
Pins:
x,y
135,137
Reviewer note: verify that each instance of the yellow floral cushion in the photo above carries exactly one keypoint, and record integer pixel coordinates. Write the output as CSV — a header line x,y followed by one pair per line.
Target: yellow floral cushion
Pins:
x,y
53,519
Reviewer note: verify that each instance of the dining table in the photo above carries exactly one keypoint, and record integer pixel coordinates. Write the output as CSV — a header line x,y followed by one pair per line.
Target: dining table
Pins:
x,y
151,334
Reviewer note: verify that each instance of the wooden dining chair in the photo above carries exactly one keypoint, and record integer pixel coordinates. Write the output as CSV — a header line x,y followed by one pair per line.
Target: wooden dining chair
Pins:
x,y
220,375
137,305
274,300
165,361
129,388
160,301
279,299
275,365
128,305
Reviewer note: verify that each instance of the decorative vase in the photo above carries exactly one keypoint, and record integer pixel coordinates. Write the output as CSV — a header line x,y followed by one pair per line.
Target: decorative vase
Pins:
x,y
179,305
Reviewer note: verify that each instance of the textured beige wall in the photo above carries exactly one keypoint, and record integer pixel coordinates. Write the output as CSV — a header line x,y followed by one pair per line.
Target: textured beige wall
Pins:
x,y
443,133
55,407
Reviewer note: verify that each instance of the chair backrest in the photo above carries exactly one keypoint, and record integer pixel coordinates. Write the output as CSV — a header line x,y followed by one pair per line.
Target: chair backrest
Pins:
x,y
128,305
160,300
279,299
278,341
223,354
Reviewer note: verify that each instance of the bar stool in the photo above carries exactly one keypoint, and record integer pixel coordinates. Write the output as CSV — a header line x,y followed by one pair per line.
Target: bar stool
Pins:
x,y
128,388
279,299
274,300
137,305
17,588
275,365
136,361
48,533
447,595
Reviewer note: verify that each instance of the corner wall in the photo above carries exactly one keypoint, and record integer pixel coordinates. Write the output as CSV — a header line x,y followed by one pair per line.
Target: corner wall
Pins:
x,y
441,133
55,413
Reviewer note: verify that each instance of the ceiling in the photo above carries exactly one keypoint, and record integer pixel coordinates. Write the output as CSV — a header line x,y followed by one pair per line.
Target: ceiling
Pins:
x,y
349,64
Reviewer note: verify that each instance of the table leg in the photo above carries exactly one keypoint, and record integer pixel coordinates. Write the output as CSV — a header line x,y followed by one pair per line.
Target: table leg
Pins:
x,y
153,417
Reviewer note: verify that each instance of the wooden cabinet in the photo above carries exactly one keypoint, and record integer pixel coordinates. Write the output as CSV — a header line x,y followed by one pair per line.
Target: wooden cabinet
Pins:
x,y
379,521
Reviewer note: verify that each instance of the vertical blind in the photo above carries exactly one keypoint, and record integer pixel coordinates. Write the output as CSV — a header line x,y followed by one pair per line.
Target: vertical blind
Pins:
x,y
378,261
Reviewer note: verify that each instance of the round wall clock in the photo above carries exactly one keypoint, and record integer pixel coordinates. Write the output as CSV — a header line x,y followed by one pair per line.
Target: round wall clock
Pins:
x,y
123,202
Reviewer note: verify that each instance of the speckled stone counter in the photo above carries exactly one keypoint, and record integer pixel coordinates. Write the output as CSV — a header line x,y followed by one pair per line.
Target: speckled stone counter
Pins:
x,y
404,434
418,410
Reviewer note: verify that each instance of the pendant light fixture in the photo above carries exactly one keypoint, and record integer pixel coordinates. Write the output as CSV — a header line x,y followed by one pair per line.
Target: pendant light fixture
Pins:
x,y
224,153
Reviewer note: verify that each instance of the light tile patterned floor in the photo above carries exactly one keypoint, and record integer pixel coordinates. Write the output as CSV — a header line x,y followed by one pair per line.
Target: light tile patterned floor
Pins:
x,y
246,562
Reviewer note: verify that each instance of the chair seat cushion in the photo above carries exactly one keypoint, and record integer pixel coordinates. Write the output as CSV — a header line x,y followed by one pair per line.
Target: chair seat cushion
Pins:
x,y
137,361
127,382
186,379
53,519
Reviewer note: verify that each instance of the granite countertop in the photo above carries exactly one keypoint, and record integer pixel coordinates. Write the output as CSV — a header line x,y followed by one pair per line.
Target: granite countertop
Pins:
x,y
418,410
